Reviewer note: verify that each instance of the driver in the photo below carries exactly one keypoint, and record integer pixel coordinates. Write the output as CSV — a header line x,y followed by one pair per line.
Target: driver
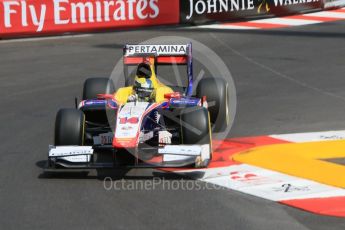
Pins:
x,y
146,87
143,88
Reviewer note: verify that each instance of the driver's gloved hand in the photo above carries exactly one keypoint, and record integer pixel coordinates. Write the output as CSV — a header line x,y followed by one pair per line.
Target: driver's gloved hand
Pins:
x,y
132,98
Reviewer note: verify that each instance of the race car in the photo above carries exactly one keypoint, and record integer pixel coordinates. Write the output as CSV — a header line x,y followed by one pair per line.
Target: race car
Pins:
x,y
145,123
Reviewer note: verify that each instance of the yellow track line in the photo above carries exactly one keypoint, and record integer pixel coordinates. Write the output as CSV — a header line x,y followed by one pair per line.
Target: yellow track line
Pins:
x,y
301,160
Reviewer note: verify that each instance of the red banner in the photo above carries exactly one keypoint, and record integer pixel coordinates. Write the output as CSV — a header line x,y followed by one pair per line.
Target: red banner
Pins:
x,y
36,17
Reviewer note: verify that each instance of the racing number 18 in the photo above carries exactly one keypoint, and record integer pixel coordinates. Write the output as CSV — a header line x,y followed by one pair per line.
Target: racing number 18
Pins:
x,y
132,120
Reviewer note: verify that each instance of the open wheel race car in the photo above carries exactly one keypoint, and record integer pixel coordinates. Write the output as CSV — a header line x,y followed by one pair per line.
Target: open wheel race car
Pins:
x,y
145,123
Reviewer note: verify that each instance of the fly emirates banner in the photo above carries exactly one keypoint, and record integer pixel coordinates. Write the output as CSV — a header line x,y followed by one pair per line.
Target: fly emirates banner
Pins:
x,y
28,17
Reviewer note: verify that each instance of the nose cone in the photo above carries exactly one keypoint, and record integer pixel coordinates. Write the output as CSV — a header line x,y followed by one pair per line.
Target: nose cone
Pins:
x,y
125,142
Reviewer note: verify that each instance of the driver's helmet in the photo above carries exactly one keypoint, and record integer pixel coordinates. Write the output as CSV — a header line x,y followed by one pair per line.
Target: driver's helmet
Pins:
x,y
144,70
143,85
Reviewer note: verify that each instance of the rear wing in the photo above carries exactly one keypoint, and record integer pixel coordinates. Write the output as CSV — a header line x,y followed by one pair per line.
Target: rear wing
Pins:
x,y
170,54
163,54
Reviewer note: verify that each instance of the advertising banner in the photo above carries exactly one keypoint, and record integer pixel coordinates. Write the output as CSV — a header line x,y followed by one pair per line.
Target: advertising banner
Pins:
x,y
35,17
333,3
201,11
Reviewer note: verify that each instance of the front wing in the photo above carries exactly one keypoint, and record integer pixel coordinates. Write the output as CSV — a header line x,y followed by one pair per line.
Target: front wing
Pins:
x,y
82,157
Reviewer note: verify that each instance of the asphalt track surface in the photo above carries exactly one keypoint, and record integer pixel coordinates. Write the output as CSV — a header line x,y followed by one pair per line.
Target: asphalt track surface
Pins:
x,y
287,80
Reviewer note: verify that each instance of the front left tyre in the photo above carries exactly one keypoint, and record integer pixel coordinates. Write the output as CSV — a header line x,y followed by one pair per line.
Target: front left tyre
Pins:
x,y
195,126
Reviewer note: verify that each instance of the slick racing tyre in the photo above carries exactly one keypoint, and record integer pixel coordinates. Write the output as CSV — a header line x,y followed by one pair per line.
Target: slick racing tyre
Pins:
x,y
94,86
217,96
69,127
195,126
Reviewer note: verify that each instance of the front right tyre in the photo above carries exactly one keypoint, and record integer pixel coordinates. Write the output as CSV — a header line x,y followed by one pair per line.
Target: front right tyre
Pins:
x,y
69,127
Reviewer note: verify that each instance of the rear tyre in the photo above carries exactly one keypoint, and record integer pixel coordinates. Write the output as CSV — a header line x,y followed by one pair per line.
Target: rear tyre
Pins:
x,y
216,91
69,127
94,86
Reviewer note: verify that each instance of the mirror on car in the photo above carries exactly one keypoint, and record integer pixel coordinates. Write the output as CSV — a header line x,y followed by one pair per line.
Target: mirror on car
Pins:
x,y
172,95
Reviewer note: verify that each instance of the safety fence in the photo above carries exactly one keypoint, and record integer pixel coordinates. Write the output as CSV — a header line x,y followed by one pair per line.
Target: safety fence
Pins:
x,y
20,18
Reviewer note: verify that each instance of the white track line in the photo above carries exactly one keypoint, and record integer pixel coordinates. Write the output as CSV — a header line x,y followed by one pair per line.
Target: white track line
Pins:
x,y
44,38
311,137
328,14
286,21
229,27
